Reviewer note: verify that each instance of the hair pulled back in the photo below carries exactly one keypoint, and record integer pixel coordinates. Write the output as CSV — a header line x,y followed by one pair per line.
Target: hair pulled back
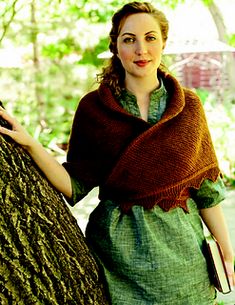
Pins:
x,y
114,74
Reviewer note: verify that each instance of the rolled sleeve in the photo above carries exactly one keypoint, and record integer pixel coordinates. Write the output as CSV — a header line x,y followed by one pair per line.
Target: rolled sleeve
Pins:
x,y
79,191
210,193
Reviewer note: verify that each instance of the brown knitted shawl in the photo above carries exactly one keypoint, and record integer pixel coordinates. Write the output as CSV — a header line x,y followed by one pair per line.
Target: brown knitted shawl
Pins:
x,y
135,163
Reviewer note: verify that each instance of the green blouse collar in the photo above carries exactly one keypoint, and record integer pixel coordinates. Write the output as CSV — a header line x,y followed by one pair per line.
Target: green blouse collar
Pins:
x,y
157,106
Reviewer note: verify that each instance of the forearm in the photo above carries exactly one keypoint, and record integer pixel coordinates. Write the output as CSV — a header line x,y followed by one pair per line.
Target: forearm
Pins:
x,y
214,219
52,169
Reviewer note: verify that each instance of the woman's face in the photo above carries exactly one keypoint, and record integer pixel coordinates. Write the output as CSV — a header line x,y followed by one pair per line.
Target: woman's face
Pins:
x,y
140,45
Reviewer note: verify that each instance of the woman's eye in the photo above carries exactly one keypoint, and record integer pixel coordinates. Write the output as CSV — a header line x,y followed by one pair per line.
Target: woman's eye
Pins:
x,y
129,40
151,38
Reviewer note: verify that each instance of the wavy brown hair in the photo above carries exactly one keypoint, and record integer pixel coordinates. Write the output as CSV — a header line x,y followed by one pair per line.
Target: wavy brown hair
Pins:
x,y
114,74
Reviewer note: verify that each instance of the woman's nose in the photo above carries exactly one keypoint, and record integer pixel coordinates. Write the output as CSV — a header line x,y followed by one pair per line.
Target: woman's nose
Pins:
x,y
141,48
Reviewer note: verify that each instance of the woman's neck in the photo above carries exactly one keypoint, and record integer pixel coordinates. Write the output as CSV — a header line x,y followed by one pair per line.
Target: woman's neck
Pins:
x,y
142,87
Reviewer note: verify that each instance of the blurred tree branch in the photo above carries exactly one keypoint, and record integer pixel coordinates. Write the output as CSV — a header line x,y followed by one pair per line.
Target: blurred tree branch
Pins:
x,y
6,20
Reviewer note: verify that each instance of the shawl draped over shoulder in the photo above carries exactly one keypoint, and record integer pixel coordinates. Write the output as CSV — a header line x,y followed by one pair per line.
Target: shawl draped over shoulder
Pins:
x,y
135,163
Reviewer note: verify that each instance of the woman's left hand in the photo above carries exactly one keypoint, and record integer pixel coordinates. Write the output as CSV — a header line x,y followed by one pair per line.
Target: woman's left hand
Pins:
x,y
230,270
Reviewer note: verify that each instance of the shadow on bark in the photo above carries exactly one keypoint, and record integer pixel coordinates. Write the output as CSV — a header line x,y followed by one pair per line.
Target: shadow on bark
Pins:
x,y
44,258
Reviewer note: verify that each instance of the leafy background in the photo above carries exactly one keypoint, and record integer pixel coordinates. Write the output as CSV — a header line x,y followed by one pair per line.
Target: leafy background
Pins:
x,y
49,60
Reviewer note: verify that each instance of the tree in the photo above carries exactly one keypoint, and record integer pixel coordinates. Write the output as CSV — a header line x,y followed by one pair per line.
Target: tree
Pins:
x,y
223,36
36,65
44,258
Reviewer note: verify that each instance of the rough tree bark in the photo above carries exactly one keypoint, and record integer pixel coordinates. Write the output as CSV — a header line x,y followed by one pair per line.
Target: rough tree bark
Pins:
x,y
44,258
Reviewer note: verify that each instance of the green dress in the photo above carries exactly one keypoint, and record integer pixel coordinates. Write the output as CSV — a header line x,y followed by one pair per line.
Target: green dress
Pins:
x,y
152,257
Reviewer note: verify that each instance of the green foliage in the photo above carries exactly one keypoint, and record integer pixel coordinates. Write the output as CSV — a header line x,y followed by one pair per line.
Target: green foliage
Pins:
x,y
61,48
8,10
203,95
221,120
90,55
207,2
95,11
231,40
171,3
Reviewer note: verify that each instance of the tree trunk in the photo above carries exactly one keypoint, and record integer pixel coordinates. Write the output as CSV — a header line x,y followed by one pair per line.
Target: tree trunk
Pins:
x,y
222,34
44,258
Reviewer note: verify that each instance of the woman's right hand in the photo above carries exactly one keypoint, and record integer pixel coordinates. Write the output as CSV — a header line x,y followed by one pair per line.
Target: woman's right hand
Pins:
x,y
17,133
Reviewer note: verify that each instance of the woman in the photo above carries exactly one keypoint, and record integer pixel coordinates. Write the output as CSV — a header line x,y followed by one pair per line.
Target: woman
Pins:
x,y
143,139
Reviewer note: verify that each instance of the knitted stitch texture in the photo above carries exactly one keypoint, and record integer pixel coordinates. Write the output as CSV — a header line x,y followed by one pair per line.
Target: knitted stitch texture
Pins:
x,y
136,163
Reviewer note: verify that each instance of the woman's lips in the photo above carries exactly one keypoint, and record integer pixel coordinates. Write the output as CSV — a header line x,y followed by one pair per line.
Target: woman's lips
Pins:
x,y
141,63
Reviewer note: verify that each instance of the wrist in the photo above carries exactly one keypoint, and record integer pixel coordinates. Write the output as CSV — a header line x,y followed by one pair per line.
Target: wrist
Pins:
x,y
32,145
